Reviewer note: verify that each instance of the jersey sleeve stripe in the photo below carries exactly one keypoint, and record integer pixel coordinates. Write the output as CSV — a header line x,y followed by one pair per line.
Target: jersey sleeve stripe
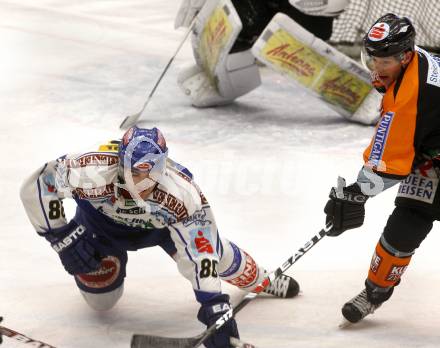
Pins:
x,y
40,198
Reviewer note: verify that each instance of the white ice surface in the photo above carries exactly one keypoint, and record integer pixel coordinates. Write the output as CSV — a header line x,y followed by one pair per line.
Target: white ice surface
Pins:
x,y
71,70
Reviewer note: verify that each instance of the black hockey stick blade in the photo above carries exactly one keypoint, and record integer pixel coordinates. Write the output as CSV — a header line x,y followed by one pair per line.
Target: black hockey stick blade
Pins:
x,y
149,341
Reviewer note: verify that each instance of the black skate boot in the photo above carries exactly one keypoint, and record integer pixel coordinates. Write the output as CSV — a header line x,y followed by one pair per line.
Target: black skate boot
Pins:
x,y
283,286
370,299
358,308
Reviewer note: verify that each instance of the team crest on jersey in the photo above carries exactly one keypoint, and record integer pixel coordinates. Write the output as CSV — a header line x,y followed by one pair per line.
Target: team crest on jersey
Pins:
x,y
379,32
380,139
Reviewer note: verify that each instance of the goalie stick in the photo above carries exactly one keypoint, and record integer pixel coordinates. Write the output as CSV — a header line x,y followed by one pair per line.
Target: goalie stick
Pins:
x,y
132,119
148,341
21,338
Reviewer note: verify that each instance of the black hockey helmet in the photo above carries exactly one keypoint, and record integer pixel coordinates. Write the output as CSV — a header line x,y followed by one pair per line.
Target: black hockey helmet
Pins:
x,y
389,36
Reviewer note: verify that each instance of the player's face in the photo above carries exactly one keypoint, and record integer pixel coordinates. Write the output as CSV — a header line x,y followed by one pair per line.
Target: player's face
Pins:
x,y
388,69
142,179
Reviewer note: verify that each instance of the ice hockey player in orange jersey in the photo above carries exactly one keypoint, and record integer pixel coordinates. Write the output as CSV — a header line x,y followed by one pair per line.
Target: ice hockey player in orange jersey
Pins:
x,y
405,149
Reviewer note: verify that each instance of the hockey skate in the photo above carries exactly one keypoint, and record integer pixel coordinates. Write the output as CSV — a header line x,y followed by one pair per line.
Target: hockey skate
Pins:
x,y
283,286
358,308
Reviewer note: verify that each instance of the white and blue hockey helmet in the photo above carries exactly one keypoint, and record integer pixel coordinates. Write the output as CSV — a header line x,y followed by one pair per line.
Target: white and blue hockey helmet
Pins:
x,y
142,150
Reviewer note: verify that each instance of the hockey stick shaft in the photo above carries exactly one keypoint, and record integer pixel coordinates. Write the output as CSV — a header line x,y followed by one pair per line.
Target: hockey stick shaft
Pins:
x,y
264,284
149,341
131,120
23,338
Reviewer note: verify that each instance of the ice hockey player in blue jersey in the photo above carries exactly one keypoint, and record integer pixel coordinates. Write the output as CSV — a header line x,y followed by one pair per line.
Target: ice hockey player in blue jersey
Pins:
x,y
129,196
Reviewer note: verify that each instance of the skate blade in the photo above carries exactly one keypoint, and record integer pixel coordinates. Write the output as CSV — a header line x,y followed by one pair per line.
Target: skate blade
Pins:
x,y
345,324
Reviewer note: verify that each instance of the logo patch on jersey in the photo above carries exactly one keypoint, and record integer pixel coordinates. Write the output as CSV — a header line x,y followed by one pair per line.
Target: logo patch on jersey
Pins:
x,y
375,263
249,274
379,32
197,219
93,158
236,263
433,77
418,187
380,139
49,185
171,203
201,241
104,276
395,273
97,193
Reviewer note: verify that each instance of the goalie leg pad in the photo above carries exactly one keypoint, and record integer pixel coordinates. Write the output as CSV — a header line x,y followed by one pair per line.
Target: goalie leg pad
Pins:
x,y
239,268
288,48
220,76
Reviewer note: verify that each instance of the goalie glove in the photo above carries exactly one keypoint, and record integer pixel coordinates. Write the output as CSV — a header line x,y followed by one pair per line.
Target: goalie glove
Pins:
x,y
345,209
324,8
187,11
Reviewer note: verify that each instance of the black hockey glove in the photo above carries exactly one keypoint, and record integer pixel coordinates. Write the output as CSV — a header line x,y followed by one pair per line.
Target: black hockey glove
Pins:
x,y
76,247
346,212
1,337
208,315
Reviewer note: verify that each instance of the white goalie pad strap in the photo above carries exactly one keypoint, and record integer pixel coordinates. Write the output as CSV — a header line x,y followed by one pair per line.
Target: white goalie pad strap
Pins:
x,y
228,85
325,8
187,11
288,48
238,76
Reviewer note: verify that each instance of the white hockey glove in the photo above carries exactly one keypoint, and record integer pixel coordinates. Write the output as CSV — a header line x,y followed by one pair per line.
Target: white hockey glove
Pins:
x,y
325,8
187,11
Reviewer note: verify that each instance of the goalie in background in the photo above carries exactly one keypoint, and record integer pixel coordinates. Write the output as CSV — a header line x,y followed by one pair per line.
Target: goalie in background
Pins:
x,y
130,195
226,66
405,149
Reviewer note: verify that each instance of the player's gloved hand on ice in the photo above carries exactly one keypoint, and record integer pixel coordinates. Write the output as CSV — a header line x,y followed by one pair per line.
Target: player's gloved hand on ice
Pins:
x,y
76,248
187,11
209,313
345,209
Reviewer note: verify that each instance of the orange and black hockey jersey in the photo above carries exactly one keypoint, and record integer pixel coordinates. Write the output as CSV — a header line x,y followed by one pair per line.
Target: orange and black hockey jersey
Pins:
x,y
410,119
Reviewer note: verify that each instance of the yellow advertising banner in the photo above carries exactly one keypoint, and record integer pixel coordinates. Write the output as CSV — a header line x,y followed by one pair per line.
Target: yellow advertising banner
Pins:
x,y
314,71
215,36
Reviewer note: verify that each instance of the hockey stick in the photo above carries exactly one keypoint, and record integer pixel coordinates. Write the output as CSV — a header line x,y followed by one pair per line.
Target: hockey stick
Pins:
x,y
147,341
22,338
131,120
196,341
